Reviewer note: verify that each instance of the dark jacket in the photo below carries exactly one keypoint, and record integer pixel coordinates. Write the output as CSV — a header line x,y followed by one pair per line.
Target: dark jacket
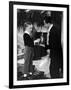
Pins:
x,y
55,45
28,41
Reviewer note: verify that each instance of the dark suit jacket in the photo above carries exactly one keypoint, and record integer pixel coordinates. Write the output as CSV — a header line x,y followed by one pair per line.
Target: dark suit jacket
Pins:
x,y
55,45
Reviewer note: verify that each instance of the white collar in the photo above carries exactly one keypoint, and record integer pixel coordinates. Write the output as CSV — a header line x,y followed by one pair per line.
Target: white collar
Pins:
x,y
27,32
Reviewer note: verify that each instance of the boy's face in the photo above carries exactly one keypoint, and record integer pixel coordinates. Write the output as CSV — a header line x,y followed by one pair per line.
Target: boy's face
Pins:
x,y
29,27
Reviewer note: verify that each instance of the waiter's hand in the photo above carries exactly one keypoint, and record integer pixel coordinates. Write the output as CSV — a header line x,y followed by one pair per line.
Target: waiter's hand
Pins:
x,y
36,41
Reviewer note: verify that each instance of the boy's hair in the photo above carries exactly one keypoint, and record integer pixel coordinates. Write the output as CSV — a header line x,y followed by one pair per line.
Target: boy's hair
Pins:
x,y
26,24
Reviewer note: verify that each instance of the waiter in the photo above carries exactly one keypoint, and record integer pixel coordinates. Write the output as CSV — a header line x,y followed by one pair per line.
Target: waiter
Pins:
x,y
55,49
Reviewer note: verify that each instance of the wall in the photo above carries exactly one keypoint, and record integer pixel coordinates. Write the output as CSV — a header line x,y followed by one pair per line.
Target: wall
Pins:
x,y
4,43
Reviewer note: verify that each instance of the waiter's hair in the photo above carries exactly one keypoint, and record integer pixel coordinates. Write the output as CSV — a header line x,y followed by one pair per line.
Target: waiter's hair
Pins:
x,y
48,19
